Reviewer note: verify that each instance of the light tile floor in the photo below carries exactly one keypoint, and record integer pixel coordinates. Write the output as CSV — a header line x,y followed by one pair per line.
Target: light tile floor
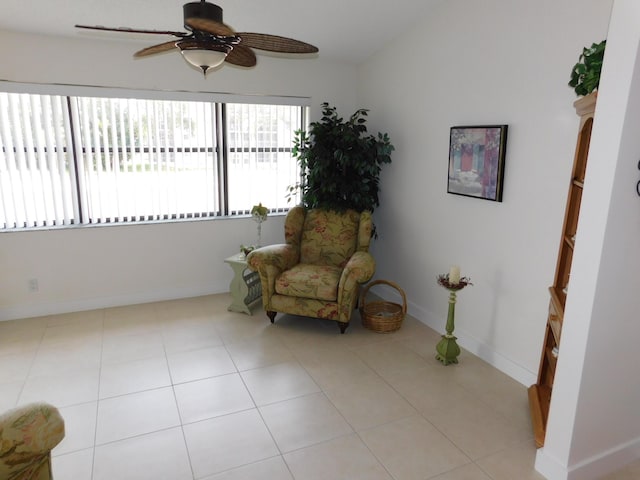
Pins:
x,y
187,390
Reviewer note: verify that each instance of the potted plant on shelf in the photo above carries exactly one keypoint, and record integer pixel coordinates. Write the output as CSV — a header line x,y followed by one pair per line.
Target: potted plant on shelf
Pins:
x,y
340,162
585,75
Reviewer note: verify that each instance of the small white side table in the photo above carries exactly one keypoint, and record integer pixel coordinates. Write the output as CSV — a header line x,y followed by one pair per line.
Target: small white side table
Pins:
x,y
245,286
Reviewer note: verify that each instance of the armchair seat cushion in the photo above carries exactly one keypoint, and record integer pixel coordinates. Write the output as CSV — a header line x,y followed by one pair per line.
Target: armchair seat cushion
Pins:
x,y
318,282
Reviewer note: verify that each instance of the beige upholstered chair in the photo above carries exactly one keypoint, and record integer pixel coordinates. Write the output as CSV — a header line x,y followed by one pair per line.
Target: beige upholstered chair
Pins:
x,y
27,436
318,271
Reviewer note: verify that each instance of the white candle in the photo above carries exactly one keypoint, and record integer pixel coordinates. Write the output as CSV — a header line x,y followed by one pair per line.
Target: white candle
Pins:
x,y
454,275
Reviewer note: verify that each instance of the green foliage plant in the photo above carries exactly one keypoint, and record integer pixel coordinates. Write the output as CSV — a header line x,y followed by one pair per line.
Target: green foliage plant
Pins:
x,y
585,75
340,162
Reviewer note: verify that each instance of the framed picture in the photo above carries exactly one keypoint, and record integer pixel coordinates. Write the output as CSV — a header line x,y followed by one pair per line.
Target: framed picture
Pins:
x,y
476,161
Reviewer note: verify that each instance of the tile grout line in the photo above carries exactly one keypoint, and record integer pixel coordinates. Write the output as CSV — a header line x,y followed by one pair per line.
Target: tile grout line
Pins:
x,y
95,430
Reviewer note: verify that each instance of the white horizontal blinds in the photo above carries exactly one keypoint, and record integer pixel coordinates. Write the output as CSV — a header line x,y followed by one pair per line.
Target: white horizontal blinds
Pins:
x,y
36,163
147,159
259,162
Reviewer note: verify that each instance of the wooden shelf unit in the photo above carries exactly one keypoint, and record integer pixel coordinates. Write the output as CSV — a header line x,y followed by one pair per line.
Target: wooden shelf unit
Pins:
x,y
540,393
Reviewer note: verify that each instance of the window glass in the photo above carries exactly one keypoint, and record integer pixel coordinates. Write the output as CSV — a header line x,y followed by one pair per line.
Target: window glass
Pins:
x,y
70,160
260,166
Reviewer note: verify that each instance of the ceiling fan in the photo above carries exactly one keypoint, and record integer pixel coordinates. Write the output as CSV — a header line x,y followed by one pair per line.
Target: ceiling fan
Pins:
x,y
208,41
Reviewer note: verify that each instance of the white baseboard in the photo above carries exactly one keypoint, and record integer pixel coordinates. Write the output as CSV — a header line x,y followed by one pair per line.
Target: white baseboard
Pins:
x,y
54,308
466,341
592,468
549,467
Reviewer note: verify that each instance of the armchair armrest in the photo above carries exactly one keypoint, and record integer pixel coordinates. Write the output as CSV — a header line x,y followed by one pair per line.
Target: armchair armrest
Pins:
x,y
282,256
360,267
269,262
27,436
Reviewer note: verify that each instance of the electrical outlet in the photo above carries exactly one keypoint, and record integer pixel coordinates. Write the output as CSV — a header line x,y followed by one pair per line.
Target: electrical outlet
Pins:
x,y
33,285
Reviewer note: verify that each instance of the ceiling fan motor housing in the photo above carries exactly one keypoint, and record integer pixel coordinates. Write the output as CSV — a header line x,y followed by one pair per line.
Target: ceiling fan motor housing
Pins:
x,y
205,10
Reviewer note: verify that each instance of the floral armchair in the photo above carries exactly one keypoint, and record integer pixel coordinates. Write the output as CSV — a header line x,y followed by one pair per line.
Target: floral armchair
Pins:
x,y
27,436
317,272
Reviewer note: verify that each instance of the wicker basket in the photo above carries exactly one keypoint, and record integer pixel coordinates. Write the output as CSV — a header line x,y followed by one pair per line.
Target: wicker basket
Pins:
x,y
381,316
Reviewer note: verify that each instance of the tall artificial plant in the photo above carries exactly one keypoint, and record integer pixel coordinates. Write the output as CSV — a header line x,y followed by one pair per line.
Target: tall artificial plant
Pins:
x,y
340,162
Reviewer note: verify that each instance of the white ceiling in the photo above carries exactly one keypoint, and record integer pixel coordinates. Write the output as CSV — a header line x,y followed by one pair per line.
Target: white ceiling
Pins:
x,y
343,30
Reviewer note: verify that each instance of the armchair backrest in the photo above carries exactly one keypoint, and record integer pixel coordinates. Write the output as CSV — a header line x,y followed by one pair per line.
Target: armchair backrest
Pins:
x,y
328,237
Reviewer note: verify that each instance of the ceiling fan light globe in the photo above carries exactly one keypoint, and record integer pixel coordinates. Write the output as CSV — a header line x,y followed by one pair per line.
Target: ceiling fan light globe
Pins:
x,y
203,58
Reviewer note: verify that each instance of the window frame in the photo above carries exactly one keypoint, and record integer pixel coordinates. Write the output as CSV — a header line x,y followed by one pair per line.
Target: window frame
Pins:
x,y
221,147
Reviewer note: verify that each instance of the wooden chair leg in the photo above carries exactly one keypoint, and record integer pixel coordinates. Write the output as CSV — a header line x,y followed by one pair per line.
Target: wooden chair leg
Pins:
x,y
342,326
271,315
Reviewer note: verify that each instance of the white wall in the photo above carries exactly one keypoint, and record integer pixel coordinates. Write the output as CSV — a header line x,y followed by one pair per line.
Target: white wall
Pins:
x,y
489,62
82,60
594,425
90,267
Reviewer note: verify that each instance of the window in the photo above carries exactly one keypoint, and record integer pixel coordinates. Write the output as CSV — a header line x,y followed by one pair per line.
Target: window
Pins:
x,y
259,162
68,160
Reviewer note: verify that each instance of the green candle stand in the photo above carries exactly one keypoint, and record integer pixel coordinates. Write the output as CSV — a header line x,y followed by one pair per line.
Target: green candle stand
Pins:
x,y
447,348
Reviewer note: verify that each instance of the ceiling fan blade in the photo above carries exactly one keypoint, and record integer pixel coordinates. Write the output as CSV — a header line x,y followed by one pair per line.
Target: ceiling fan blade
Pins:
x,y
133,30
210,26
161,47
241,56
275,43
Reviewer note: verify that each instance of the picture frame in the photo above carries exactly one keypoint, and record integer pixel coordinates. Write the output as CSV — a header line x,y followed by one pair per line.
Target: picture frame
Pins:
x,y
476,161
